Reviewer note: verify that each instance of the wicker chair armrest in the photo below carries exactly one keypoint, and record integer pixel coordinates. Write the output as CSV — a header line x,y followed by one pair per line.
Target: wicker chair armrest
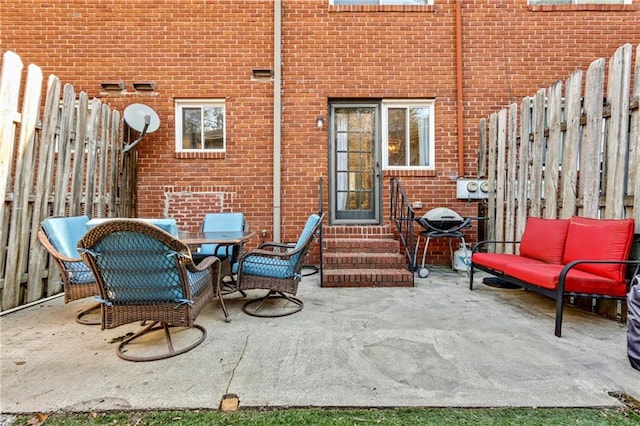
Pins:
x,y
285,255
273,246
207,262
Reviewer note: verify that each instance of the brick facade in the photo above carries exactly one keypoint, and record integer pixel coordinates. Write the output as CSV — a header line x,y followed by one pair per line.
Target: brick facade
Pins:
x,y
207,49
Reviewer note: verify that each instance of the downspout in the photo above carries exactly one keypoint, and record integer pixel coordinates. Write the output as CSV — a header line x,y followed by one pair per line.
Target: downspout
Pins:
x,y
459,100
277,117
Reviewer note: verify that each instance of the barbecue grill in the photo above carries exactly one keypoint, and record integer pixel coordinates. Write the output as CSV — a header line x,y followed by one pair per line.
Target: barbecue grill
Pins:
x,y
440,222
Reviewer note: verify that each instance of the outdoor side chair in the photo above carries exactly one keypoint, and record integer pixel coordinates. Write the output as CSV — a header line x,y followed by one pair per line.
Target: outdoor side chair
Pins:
x,y
60,235
145,274
277,268
221,222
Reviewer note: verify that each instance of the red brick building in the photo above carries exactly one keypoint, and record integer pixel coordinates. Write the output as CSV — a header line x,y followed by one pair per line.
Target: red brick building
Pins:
x,y
356,94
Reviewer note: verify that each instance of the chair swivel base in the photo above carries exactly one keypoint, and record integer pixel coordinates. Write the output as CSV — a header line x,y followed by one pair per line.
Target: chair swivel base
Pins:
x,y
291,305
124,347
80,318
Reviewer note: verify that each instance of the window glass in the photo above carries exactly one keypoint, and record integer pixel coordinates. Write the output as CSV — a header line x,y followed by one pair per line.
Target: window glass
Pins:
x,y
408,135
200,125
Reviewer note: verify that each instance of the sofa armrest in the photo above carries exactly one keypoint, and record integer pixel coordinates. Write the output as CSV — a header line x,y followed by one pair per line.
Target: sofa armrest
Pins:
x,y
573,264
479,245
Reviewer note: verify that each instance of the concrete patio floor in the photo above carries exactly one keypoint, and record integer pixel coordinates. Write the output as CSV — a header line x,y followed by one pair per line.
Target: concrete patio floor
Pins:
x,y
435,345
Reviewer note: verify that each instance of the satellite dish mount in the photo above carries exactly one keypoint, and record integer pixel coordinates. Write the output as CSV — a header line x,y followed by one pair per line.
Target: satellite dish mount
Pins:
x,y
142,119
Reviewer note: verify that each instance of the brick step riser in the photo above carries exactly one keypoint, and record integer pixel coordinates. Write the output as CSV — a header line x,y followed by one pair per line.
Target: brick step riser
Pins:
x,y
363,261
356,245
360,230
367,278
367,284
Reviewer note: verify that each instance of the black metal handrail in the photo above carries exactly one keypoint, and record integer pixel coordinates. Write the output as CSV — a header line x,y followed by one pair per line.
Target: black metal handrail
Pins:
x,y
402,215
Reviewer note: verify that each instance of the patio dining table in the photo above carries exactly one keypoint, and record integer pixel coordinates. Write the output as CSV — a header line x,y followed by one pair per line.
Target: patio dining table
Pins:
x,y
222,238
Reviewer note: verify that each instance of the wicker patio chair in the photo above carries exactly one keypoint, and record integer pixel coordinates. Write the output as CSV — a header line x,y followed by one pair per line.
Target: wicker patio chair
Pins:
x,y
221,222
60,235
145,274
277,268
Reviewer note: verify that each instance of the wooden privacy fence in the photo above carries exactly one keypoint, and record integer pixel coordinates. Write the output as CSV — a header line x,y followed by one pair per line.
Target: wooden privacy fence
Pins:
x,y
566,153
41,173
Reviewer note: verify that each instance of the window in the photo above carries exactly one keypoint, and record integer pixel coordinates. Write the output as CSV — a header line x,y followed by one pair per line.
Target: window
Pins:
x,y
382,2
200,125
407,134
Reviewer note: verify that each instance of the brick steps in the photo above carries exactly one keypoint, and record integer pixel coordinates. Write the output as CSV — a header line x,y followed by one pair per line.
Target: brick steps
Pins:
x,y
363,256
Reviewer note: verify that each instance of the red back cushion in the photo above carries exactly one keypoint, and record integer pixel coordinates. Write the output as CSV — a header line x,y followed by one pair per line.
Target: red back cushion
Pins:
x,y
544,239
599,239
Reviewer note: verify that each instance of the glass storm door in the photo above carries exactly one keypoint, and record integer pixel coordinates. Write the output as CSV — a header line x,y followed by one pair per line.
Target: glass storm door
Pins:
x,y
355,167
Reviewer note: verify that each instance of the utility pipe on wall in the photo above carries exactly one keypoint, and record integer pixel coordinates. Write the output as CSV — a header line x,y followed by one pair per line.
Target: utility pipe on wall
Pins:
x,y
459,94
277,117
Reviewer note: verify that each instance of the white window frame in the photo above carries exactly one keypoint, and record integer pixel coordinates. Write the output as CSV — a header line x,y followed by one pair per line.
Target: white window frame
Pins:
x,y
430,150
192,103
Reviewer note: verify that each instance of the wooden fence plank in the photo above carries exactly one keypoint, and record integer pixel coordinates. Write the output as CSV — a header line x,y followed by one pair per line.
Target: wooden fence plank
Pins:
x,y
116,147
491,177
592,135
103,152
537,154
523,166
634,149
571,144
38,257
79,174
92,152
552,156
501,176
617,134
64,151
17,250
482,152
510,187
10,78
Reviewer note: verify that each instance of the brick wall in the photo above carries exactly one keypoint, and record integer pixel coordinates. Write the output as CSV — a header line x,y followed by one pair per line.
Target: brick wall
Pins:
x,y
207,49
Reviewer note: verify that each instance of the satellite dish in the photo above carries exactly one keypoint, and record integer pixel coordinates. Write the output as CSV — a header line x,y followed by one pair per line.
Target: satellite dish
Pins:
x,y
137,116
142,119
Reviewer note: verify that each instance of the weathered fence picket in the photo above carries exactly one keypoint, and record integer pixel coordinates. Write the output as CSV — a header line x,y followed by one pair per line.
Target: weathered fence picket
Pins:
x,y
572,154
60,157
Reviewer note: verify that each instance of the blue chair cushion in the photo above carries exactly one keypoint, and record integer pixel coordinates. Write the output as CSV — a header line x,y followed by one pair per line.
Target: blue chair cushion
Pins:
x,y
312,221
217,222
65,232
268,267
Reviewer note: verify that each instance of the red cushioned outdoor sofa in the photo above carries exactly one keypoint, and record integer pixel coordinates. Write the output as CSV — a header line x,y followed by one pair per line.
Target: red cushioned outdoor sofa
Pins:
x,y
578,257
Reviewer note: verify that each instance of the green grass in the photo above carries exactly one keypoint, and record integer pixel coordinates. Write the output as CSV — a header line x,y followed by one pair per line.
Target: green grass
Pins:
x,y
339,417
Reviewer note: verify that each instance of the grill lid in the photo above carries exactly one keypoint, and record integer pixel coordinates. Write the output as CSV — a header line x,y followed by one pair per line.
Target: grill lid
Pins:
x,y
442,214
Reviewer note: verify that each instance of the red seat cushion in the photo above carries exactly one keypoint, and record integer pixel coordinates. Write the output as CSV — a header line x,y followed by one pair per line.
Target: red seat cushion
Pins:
x,y
599,239
544,239
499,261
578,281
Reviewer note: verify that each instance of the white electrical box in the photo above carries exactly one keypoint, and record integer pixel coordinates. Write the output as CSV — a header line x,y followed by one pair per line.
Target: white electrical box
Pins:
x,y
472,189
